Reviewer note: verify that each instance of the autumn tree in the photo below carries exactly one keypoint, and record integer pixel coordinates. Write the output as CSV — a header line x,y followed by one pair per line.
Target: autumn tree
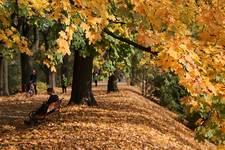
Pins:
x,y
82,69
184,36
190,39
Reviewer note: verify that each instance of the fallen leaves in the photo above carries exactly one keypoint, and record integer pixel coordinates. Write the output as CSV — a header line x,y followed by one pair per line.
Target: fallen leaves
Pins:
x,y
122,120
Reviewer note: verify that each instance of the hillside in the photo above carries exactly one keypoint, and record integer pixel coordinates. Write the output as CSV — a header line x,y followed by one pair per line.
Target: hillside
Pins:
x,y
122,120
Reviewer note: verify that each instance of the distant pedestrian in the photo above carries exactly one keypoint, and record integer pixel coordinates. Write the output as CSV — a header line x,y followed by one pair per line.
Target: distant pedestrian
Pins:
x,y
95,77
64,83
33,80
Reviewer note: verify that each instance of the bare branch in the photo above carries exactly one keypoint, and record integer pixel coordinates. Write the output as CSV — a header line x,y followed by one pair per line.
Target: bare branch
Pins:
x,y
128,41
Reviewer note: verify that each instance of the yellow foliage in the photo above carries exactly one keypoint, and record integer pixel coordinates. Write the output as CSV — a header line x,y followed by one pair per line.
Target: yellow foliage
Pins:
x,y
85,27
220,147
93,36
53,69
63,46
2,2
47,63
64,39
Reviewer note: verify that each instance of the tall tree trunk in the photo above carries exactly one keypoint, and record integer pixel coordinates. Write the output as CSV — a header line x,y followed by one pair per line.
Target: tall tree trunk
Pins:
x,y
143,82
26,69
64,67
82,80
26,61
36,41
5,78
1,75
4,88
133,73
46,71
112,84
52,83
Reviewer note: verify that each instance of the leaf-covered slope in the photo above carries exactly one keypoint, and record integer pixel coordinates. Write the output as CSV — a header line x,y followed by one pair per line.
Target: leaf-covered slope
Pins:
x,y
123,120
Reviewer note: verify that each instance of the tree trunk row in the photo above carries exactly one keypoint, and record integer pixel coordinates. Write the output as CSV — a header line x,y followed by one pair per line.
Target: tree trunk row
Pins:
x,y
4,89
112,84
82,80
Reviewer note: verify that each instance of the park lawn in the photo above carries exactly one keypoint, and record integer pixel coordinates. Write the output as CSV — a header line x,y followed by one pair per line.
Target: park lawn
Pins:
x,y
122,120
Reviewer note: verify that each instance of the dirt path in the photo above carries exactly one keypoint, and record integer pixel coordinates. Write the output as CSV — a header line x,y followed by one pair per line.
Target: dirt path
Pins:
x,y
122,120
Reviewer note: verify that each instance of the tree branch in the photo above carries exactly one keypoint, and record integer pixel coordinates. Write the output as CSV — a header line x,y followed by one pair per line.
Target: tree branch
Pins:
x,y
116,22
126,40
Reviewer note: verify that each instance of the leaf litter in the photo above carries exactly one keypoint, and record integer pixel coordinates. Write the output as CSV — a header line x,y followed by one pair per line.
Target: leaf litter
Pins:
x,y
122,120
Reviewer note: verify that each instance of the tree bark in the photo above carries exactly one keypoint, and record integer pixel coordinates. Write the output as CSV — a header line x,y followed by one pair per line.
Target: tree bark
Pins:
x,y
26,69
36,41
4,88
45,70
26,61
50,77
5,78
143,82
112,84
82,80
1,75
52,83
133,73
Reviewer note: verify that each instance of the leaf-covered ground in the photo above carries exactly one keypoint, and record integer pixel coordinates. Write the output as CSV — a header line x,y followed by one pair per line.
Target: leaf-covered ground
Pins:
x,y
122,120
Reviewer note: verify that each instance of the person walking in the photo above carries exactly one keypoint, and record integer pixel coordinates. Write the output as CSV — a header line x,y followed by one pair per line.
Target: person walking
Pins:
x,y
95,77
64,83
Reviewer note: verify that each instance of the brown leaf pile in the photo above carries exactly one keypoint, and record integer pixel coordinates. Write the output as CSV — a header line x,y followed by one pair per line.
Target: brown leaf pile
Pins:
x,y
122,120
